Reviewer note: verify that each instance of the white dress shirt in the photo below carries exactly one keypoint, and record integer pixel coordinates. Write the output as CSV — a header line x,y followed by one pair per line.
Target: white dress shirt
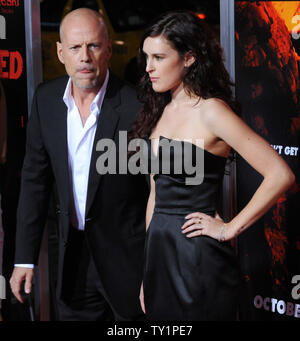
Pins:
x,y
80,143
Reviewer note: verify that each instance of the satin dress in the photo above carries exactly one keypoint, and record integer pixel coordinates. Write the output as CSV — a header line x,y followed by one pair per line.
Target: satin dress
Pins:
x,y
187,279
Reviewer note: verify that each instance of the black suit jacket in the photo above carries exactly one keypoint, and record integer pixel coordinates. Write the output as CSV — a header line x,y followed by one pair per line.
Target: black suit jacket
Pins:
x,y
115,207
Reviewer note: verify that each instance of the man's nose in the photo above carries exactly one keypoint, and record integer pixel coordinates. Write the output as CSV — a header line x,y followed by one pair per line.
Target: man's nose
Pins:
x,y
85,54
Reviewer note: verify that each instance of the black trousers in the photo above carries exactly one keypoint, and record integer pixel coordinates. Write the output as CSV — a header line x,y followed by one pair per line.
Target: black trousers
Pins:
x,y
83,296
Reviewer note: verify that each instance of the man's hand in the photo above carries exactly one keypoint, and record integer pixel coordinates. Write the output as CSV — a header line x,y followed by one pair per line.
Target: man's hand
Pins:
x,y
19,275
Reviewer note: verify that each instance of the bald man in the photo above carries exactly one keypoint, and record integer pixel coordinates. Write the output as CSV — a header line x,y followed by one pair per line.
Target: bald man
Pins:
x,y
101,216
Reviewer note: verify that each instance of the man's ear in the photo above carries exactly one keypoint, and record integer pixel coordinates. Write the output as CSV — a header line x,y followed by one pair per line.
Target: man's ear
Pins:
x,y
59,52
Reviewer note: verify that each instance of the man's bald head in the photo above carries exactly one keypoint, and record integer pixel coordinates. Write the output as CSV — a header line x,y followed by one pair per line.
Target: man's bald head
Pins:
x,y
85,48
80,15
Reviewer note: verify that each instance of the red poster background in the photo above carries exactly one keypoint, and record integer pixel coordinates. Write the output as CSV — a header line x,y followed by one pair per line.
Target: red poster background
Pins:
x,y
268,87
13,75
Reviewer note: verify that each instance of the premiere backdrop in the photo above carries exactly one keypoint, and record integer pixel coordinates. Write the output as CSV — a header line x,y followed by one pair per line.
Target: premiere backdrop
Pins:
x,y
14,79
268,87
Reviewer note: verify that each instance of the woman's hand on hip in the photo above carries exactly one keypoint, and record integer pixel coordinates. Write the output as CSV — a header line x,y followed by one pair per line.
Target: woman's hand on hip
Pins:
x,y
200,224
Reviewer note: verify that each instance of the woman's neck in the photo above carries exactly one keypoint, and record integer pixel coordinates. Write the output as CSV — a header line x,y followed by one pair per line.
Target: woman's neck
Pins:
x,y
181,97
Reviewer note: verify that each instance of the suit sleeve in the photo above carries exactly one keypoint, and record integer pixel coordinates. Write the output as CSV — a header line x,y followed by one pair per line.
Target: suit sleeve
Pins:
x,y
36,185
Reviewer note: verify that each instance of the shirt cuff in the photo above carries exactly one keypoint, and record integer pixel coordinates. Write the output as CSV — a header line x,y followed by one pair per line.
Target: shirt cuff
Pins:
x,y
29,266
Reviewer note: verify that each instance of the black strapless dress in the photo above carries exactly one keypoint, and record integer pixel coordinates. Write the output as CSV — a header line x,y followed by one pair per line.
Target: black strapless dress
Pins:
x,y
186,279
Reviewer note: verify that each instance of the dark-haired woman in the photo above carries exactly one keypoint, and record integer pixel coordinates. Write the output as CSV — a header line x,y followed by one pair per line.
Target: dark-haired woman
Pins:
x,y
190,269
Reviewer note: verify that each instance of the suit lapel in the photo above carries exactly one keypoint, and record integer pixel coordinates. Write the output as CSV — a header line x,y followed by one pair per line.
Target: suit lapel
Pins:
x,y
106,127
60,128
62,142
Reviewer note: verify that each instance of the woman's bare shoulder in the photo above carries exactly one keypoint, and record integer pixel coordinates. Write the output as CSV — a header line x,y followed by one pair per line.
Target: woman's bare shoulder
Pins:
x,y
212,110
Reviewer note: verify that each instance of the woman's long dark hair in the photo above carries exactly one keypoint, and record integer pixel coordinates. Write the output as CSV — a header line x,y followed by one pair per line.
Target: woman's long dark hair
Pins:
x,y
206,77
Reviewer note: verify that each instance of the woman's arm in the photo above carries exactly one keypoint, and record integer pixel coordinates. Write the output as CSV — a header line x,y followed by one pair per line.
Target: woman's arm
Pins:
x,y
149,214
151,202
277,176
